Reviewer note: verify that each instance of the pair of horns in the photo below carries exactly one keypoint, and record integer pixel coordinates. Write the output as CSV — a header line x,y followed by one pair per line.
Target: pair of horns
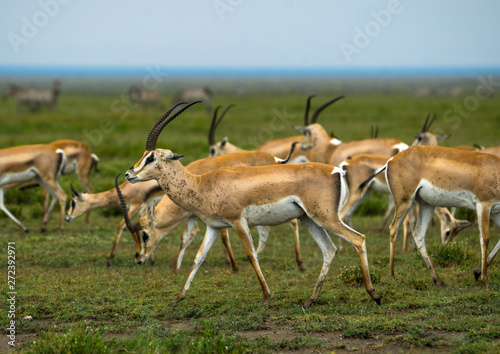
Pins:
x,y
162,122
428,124
215,123
318,110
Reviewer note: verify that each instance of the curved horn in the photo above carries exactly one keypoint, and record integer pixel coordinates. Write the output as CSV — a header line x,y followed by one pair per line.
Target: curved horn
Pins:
x,y
306,114
374,132
123,204
162,123
152,136
322,107
215,123
74,192
211,132
290,153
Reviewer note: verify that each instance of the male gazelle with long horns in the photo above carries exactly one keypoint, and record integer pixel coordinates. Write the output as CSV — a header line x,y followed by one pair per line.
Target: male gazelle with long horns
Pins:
x,y
434,176
240,197
42,164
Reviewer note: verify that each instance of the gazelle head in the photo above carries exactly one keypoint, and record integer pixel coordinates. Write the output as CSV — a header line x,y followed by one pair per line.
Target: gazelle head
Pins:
x,y
451,227
424,137
146,168
222,147
77,206
314,132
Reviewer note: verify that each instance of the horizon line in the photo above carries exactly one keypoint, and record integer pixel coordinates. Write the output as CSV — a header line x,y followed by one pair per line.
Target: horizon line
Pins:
x,y
177,71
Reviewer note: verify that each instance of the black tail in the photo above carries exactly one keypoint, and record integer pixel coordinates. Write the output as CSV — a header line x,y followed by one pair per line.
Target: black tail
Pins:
x,y
375,174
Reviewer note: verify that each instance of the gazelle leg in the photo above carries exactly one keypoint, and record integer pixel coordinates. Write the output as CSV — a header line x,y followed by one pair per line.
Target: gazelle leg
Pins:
x,y
328,249
243,232
12,217
263,236
121,226
58,195
228,250
298,256
358,240
388,213
425,214
187,238
483,217
208,241
399,216
348,210
477,272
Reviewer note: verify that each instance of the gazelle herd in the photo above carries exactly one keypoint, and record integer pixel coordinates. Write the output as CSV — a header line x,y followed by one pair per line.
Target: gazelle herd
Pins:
x,y
313,178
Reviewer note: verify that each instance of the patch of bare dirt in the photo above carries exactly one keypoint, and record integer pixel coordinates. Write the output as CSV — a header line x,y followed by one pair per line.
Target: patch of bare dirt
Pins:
x,y
333,340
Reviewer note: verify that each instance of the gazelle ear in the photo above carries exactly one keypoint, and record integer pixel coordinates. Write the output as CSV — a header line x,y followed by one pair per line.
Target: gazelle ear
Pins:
x,y
223,142
177,156
442,136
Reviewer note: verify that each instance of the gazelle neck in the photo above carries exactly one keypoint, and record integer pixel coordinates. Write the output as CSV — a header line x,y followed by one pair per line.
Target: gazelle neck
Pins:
x,y
180,185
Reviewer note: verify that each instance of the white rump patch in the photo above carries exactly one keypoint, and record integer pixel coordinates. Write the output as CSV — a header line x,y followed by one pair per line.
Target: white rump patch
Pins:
x,y
335,141
400,147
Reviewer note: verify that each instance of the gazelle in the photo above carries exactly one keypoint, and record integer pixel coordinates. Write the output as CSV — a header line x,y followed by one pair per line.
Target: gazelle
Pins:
x,y
358,169
240,197
135,196
203,94
278,147
80,160
161,219
40,163
433,176
317,140
32,98
138,94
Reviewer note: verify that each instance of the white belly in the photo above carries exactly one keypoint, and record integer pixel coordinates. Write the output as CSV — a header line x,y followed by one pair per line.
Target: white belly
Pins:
x,y
444,198
276,213
17,177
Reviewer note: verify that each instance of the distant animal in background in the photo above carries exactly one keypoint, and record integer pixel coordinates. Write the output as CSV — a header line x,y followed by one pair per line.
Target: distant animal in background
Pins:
x,y
203,94
138,94
33,99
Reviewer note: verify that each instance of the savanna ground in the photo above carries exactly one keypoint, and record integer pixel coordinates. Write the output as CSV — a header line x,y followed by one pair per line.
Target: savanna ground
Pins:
x,y
78,305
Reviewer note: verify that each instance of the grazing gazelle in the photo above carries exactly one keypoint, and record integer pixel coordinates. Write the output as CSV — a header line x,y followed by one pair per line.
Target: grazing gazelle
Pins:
x,y
138,94
33,98
135,196
433,176
241,197
42,164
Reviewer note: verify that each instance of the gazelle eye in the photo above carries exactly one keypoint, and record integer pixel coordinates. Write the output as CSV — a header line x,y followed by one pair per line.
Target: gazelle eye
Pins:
x,y
150,159
145,237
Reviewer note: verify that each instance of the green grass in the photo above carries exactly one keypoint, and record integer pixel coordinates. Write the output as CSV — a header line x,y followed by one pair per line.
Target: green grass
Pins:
x,y
79,305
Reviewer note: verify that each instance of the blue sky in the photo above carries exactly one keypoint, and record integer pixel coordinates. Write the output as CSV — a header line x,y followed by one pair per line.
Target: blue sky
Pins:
x,y
232,34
